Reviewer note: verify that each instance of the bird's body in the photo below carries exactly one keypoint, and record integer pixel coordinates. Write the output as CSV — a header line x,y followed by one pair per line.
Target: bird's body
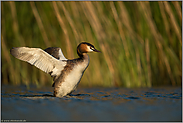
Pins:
x,y
66,73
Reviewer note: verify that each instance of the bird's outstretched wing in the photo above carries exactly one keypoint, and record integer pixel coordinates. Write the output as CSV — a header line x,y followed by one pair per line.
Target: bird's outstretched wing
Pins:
x,y
55,52
40,59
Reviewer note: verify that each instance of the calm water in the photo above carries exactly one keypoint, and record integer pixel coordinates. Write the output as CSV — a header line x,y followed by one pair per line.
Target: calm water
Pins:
x,y
91,104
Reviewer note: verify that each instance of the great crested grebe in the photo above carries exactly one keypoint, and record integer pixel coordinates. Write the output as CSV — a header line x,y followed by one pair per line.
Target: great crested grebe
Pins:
x,y
66,73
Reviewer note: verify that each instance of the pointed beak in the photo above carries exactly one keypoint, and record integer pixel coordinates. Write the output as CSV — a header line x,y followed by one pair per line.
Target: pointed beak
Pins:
x,y
97,51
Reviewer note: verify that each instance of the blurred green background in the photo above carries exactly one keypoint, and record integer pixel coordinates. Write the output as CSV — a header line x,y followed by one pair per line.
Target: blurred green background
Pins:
x,y
141,42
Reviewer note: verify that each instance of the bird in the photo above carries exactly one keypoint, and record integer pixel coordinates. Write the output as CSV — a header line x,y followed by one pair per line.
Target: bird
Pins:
x,y
66,73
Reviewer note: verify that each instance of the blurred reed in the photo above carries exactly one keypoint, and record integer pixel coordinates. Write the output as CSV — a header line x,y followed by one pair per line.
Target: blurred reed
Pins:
x,y
141,42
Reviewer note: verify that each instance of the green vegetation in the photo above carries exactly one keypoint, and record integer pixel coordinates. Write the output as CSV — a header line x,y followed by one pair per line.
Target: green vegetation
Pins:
x,y
141,42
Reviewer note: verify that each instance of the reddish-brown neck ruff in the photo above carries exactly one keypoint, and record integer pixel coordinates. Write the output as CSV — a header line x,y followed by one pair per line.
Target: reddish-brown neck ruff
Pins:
x,y
82,48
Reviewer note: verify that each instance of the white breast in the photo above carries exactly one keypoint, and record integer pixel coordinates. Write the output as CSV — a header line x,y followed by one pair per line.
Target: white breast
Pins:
x,y
72,79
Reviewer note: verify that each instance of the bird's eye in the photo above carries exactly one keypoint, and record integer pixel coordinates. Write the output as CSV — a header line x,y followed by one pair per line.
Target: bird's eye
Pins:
x,y
91,48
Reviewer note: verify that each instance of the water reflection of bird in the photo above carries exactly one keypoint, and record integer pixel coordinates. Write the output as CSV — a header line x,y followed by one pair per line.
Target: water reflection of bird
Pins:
x,y
66,73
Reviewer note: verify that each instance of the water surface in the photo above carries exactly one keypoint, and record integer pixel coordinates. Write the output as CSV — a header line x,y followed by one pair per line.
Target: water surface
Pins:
x,y
91,104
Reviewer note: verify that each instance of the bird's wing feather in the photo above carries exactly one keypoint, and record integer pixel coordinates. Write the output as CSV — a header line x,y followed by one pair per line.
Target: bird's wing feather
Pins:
x,y
55,52
61,55
38,58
